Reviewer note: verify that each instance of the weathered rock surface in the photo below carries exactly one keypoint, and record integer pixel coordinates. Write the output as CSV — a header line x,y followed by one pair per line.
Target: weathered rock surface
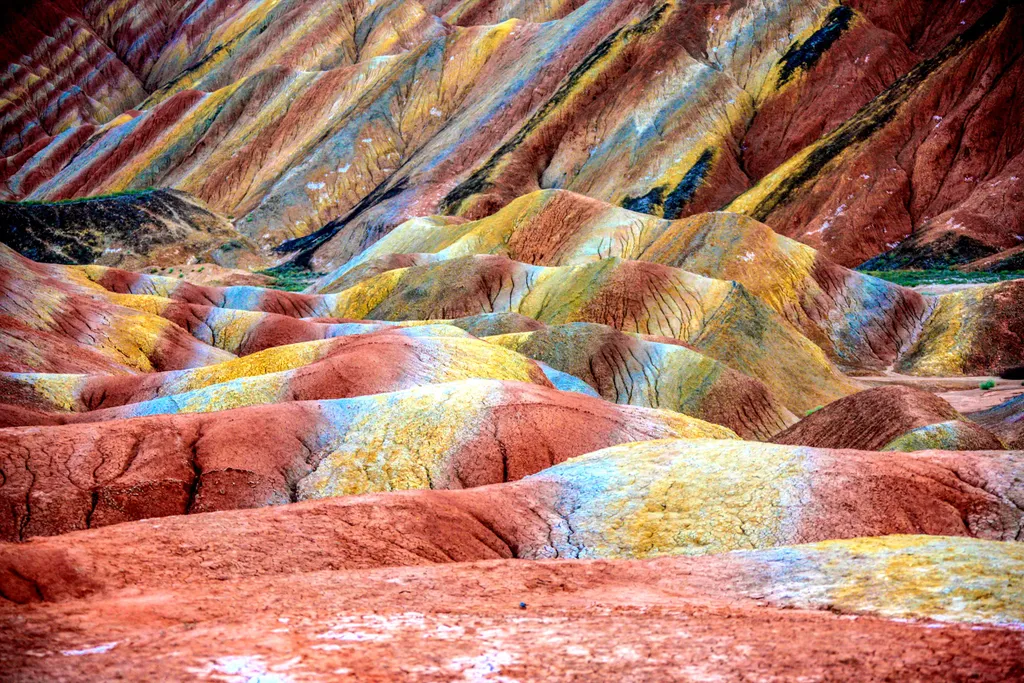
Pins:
x,y
928,159
631,370
859,321
157,227
560,257
1005,420
852,127
890,418
450,435
343,367
54,320
450,620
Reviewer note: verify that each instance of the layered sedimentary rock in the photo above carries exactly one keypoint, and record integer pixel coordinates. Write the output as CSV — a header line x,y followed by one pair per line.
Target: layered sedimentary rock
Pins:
x,y
1005,420
858,126
924,160
571,264
56,320
632,370
860,322
721,319
344,367
974,331
894,418
449,435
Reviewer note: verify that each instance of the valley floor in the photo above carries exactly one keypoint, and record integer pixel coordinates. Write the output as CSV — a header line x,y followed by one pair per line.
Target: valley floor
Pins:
x,y
675,619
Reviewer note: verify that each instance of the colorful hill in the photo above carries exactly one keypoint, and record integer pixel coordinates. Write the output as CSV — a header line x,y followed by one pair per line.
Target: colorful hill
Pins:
x,y
511,340
859,321
893,418
339,125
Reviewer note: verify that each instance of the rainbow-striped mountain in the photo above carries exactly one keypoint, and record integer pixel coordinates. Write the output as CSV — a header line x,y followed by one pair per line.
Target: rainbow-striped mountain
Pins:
x,y
511,340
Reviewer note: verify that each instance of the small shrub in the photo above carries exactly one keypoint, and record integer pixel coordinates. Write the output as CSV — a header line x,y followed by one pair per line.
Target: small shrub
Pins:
x,y
987,384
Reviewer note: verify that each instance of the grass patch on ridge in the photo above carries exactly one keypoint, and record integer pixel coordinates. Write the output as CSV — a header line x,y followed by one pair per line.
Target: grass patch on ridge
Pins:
x,y
291,278
913,278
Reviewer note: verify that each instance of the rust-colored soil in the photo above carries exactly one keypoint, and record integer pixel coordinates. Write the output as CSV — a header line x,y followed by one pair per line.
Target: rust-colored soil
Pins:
x,y
498,620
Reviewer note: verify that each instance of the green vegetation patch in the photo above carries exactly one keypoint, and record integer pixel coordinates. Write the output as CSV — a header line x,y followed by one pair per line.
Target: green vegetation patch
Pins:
x,y
291,278
913,278
83,200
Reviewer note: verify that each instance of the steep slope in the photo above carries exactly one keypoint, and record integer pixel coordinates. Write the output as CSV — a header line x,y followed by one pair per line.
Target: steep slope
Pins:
x,y
335,125
158,227
973,331
935,158
467,116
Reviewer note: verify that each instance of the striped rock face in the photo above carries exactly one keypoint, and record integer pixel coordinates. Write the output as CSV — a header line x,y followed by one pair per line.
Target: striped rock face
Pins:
x,y
859,321
516,340
630,369
845,126
57,321
360,365
446,435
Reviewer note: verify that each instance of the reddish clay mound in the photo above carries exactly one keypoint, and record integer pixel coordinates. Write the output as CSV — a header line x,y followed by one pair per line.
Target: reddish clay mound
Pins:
x,y
471,433
871,420
1005,421
343,367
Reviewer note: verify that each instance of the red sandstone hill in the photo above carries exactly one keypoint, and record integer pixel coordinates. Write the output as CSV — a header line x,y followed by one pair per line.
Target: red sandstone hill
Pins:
x,y
889,418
